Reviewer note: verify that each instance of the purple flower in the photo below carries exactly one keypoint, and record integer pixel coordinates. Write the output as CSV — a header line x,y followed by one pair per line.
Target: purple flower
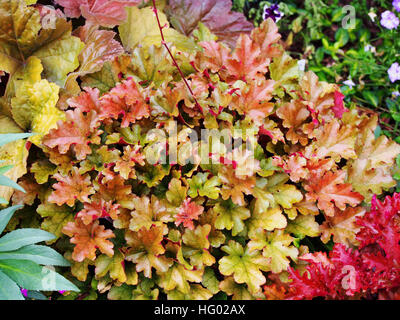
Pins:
x,y
396,5
389,20
394,72
272,12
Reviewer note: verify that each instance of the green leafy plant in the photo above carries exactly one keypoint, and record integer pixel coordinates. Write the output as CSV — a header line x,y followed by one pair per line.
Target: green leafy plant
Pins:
x,y
23,263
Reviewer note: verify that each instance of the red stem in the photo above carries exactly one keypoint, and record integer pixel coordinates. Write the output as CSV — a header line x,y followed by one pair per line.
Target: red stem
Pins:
x,y
172,57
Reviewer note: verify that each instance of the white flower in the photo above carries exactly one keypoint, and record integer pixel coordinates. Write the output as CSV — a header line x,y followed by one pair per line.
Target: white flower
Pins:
x,y
350,83
394,72
369,47
302,64
396,94
372,15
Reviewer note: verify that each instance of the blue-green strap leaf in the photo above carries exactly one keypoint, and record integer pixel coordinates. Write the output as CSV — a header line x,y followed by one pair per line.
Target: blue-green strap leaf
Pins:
x,y
5,216
23,237
5,181
31,276
9,289
9,137
39,254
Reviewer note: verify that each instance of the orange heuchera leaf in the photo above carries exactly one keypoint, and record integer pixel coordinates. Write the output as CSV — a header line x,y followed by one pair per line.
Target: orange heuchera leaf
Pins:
x,y
317,167
86,101
87,238
32,189
295,166
131,156
188,212
294,114
113,188
146,250
247,61
107,13
318,96
79,130
98,209
275,292
100,47
234,187
330,191
71,188
333,140
126,100
342,226
267,37
148,212
213,57
254,102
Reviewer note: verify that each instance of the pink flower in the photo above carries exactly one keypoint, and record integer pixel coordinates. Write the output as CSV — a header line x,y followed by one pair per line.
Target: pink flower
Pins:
x,y
389,20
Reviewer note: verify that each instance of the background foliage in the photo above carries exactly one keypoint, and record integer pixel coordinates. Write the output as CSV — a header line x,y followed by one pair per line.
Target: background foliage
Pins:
x,y
296,211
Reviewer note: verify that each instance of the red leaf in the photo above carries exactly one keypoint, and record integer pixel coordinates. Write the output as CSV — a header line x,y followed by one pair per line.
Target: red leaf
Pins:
x,y
126,100
188,212
215,14
339,108
107,13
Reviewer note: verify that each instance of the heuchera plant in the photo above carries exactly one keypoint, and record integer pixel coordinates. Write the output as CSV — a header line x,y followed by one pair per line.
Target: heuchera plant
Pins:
x,y
145,205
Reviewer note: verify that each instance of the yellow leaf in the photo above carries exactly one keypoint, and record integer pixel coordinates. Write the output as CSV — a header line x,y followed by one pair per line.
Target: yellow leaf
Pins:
x,y
141,28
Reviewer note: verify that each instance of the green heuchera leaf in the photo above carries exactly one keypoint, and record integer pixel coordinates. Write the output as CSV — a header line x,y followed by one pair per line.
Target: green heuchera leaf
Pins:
x,y
276,246
210,281
268,219
151,65
178,277
197,245
112,265
176,192
231,216
238,291
304,226
42,170
196,292
285,71
273,191
201,185
55,217
244,265
104,80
